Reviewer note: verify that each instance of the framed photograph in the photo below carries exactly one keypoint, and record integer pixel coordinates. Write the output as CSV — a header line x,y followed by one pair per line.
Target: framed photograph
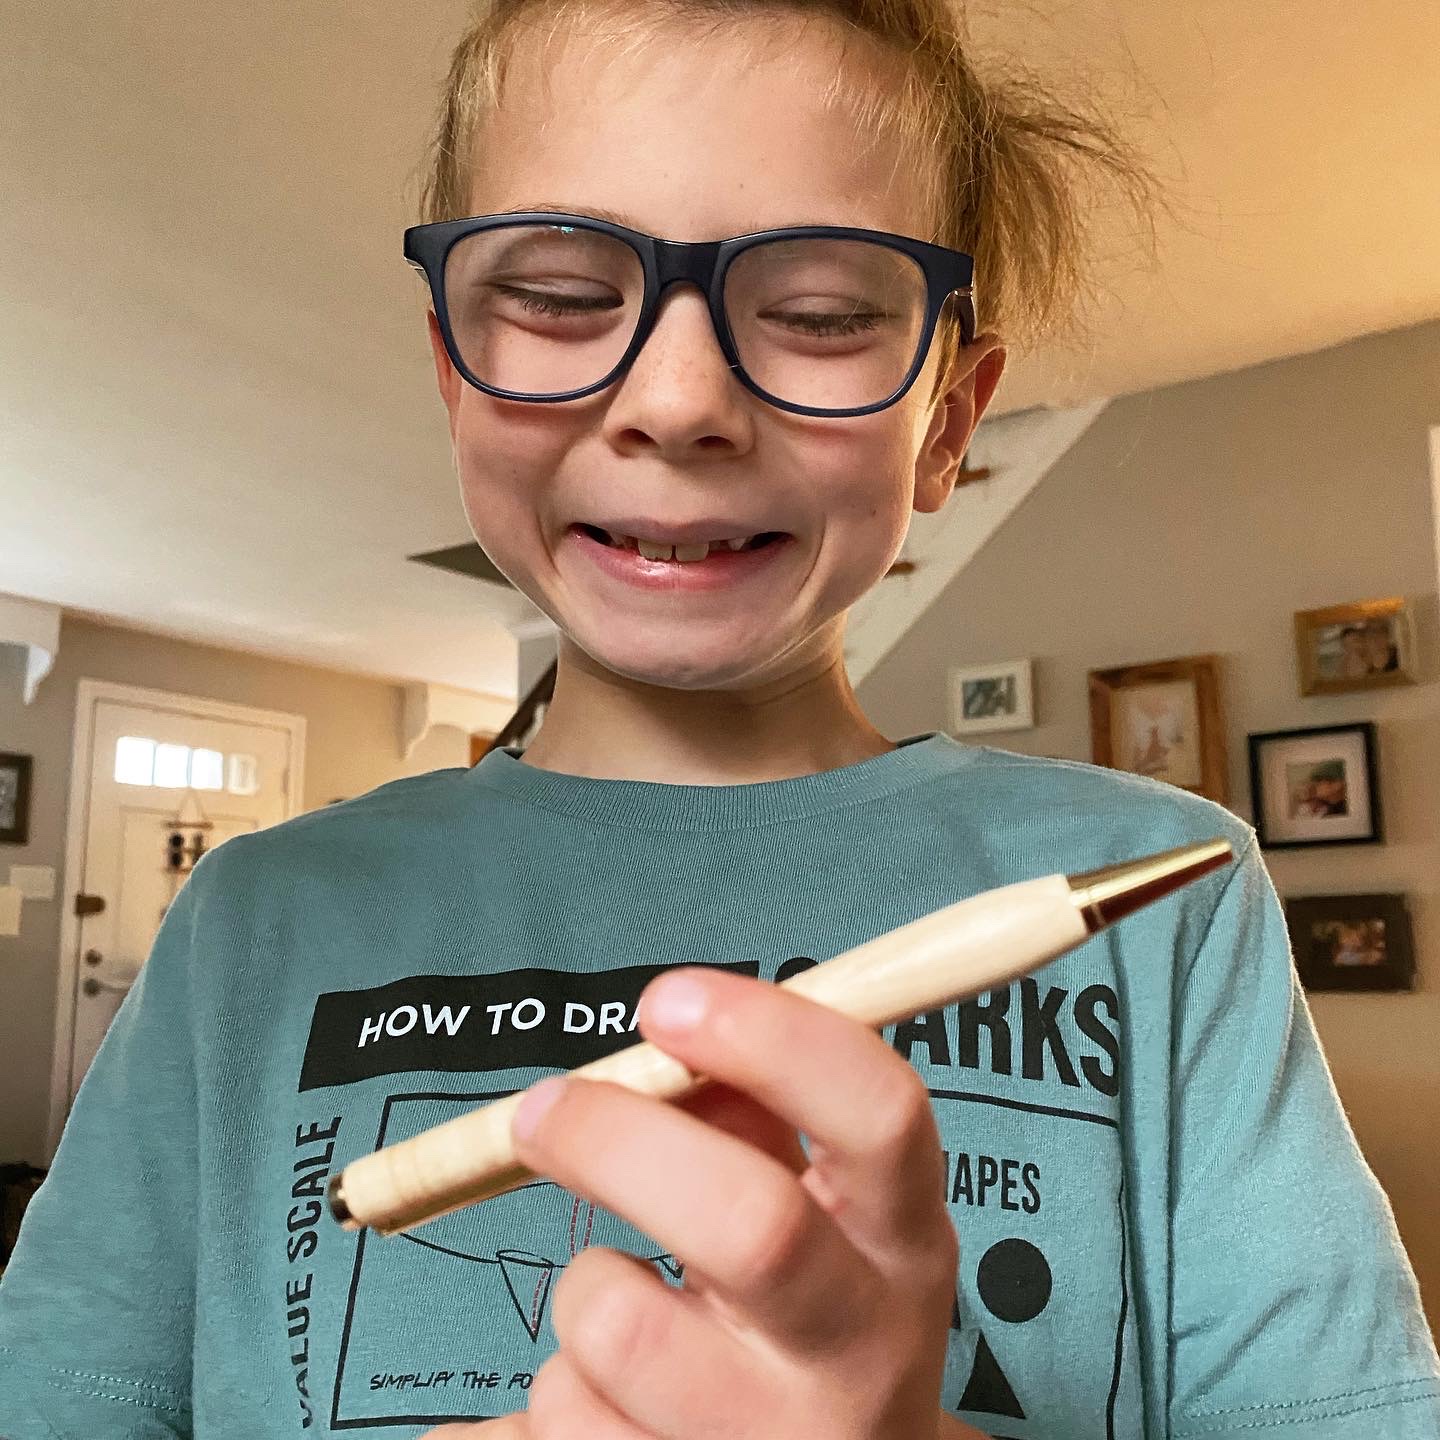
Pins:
x,y
1351,942
14,799
1316,787
1366,645
991,697
1162,720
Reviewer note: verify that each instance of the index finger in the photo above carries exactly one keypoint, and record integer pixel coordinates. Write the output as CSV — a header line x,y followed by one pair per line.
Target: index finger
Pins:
x,y
874,1147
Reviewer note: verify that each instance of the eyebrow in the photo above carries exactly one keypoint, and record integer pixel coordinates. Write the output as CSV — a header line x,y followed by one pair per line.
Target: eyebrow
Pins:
x,y
597,212
616,217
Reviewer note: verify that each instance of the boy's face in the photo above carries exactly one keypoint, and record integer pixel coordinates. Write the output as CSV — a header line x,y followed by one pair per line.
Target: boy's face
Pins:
x,y
688,142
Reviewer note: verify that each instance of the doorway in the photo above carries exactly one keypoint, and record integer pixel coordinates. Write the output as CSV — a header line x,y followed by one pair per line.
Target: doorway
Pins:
x,y
157,780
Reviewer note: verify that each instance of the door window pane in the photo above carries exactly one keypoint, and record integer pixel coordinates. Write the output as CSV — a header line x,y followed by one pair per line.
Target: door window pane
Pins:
x,y
244,776
207,770
134,760
172,765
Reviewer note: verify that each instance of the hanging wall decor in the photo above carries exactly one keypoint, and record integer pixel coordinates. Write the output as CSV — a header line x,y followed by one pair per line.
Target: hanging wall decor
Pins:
x,y
1366,645
1318,786
1162,719
15,798
1351,942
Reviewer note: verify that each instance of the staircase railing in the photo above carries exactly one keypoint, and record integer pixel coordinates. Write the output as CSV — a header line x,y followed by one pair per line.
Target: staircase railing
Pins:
x,y
520,724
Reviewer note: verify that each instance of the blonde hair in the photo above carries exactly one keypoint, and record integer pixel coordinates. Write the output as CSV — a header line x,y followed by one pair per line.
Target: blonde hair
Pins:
x,y
1013,164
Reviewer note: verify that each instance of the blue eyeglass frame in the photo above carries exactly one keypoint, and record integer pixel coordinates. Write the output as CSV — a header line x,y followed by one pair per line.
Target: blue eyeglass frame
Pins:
x,y
704,264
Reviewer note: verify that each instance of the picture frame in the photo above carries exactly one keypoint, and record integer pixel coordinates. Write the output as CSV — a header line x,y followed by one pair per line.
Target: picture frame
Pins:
x,y
1316,786
15,798
1364,645
988,698
1352,942
1162,719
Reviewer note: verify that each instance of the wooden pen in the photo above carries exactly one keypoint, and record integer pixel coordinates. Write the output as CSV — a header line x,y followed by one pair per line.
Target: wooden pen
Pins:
x,y
951,954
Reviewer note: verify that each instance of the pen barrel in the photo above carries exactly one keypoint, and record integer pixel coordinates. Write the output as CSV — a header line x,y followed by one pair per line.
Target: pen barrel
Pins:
x,y
472,1157
950,954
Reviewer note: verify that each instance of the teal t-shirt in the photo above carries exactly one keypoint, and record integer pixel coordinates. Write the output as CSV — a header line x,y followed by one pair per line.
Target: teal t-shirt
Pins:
x,y
1166,1226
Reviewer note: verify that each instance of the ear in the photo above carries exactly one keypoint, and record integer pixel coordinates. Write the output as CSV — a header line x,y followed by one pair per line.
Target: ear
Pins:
x,y
957,412
447,377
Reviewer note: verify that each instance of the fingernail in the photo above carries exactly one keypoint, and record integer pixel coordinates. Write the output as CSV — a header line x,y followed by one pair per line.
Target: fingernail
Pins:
x,y
678,1002
532,1107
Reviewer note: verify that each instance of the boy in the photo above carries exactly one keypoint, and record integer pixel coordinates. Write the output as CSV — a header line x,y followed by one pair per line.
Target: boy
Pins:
x,y
1116,1199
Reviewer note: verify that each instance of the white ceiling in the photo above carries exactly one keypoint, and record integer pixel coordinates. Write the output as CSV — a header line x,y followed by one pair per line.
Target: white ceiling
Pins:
x,y
217,414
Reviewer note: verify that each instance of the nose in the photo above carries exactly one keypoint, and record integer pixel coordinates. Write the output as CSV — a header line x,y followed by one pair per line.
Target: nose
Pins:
x,y
679,389
696,306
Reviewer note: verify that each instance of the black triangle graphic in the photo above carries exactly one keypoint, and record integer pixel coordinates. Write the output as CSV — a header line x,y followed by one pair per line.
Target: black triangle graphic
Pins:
x,y
987,1389
528,1279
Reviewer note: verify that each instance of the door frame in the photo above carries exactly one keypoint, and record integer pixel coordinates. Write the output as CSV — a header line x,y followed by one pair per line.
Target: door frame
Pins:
x,y
88,694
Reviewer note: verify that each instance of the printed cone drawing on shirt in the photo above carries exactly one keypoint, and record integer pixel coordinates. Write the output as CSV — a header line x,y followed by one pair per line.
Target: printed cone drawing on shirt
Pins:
x,y
490,1235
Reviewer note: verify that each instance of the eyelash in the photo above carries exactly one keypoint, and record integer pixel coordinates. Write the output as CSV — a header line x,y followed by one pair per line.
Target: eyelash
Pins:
x,y
536,305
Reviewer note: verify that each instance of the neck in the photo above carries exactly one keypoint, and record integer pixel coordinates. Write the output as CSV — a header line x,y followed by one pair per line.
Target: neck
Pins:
x,y
609,727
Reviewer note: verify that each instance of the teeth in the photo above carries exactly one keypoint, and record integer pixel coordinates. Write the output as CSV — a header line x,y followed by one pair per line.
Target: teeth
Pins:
x,y
685,554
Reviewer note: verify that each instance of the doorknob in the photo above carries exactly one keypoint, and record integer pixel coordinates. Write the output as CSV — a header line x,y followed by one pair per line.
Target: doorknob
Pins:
x,y
94,984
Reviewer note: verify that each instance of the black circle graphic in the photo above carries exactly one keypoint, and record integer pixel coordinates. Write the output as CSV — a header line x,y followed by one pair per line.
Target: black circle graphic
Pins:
x,y
1014,1280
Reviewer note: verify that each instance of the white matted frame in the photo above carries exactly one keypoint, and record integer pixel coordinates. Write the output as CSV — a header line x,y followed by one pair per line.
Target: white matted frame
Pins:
x,y
1284,766
983,699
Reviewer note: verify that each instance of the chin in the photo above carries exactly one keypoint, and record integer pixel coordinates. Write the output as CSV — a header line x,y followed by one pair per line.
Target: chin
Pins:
x,y
666,666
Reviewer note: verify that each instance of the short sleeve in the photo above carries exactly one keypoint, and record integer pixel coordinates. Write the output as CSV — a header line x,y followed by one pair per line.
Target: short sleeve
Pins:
x,y
1294,1308
97,1303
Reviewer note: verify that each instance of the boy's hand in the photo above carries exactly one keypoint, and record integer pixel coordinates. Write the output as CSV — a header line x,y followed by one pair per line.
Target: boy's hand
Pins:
x,y
817,1293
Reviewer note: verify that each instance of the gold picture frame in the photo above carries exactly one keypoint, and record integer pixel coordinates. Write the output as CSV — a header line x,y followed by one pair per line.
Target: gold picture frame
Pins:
x,y
1162,719
1364,645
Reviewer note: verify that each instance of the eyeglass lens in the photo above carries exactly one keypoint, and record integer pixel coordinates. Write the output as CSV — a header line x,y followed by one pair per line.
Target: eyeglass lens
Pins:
x,y
548,309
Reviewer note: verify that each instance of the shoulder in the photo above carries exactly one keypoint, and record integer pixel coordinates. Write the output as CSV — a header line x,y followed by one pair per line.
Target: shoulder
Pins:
x,y
1022,816
1089,809
357,835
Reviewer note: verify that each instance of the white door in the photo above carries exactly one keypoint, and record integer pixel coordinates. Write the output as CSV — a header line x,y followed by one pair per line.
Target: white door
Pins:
x,y
165,779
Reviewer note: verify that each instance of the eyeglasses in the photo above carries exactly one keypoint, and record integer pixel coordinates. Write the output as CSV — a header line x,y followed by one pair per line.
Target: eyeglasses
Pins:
x,y
818,319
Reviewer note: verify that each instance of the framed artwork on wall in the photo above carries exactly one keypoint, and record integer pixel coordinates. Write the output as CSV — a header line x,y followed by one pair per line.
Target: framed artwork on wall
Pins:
x,y
1367,645
1351,942
991,697
1162,719
1318,786
15,798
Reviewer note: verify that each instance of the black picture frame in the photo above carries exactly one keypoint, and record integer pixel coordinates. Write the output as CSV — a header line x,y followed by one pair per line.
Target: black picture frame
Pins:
x,y
1279,831
15,798
1352,942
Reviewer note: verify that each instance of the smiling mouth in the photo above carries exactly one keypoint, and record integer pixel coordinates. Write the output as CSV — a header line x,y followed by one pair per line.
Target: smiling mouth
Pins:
x,y
684,553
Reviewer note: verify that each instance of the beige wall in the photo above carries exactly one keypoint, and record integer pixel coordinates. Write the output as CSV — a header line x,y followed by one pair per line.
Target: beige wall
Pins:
x,y
352,745
1198,518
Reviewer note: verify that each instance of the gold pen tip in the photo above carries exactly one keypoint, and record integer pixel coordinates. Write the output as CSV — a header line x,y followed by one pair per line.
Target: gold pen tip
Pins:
x,y
1112,892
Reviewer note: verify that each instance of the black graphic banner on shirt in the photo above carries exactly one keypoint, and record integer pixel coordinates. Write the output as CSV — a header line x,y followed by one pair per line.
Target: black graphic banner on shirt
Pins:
x,y
468,1023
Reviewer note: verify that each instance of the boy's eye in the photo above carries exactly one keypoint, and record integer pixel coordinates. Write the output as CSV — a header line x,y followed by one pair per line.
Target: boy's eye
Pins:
x,y
559,303
853,321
